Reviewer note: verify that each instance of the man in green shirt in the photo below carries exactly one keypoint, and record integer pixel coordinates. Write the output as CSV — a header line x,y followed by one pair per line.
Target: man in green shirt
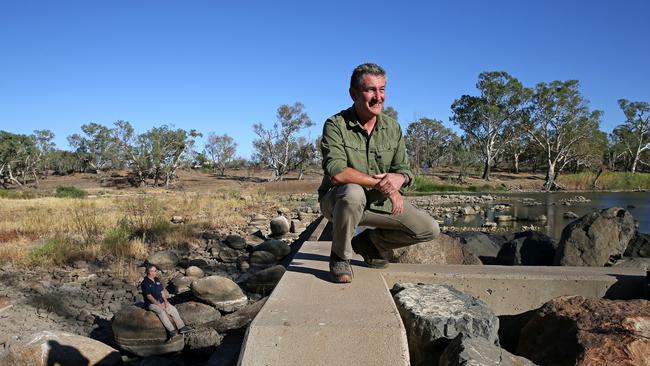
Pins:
x,y
365,170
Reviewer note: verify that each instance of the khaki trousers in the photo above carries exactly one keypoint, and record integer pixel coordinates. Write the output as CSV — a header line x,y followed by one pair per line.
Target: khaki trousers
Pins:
x,y
162,314
344,206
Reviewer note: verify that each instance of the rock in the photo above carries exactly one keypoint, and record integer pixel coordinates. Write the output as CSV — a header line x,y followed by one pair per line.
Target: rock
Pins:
x,y
59,348
182,284
528,248
541,218
297,226
194,271
633,262
467,211
164,260
243,264
264,281
227,254
140,332
254,240
5,303
570,215
279,226
575,330
596,239
235,242
639,246
489,224
177,219
484,246
239,319
198,262
505,218
435,314
441,250
220,292
196,313
468,350
279,248
202,340
262,259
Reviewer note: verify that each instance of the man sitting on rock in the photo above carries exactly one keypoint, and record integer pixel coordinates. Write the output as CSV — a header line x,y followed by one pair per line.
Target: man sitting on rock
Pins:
x,y
155,299
365,166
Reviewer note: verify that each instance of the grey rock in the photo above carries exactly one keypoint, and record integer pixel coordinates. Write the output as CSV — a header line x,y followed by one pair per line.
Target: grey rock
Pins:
x,y
54,347
264,281
467,211
484,246
435,314
639,246
297,226
235,242
278,248
227,254
196,313
194,271
164,260
262,259
570,215
279,226
220,292
528,248
202,340
633,262
596,239
441,250
466,350
140,332
182,284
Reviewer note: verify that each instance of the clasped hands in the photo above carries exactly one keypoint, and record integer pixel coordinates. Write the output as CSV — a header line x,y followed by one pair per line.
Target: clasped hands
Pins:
x,y
389,185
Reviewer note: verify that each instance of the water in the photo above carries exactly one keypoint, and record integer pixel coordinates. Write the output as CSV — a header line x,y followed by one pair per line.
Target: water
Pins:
x,y
637,203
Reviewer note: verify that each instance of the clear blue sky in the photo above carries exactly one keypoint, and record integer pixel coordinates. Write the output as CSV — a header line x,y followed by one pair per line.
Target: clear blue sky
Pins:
x,y
222,66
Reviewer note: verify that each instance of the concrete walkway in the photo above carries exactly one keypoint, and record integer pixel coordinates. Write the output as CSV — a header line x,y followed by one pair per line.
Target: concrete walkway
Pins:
x,y
308,320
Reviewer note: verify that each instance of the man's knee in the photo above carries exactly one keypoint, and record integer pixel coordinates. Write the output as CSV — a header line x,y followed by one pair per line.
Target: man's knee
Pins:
x,y
352,196
426,227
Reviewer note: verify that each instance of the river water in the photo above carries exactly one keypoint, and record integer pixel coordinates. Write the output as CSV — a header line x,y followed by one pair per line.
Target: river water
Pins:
x,y
637,203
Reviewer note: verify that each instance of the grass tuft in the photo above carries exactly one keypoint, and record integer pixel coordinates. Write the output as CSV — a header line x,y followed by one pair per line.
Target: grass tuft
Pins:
x,y
69,192
624,181
425,185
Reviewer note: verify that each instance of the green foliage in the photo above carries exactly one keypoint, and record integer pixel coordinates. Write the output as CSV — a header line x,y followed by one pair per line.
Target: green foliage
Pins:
x,y
117,241
56,250
69,192
20,194
430,143
145,219
423,184
624,181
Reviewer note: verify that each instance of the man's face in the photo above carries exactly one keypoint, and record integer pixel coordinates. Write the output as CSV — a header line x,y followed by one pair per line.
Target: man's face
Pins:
x,y
369,97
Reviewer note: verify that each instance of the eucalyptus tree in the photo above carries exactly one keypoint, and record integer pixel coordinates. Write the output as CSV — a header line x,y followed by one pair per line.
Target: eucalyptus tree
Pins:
x,y
221,151
486,118
560,120
96,147
391,112
429,142
634,133
276,147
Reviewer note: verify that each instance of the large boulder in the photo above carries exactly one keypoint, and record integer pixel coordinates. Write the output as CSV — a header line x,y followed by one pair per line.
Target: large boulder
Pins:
x,y
528,248
467,350
194,271
264,281
435,314
639,246
279,226
441,250
181,284
235,242
202,340
596,239
59,348
197,313
588,331
262,259
227,254
484,246
220,292
140,332
164,260
633,262
279,248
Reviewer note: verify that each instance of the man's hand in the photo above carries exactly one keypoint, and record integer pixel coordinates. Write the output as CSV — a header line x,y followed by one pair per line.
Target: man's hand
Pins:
x,y
398,203
389,183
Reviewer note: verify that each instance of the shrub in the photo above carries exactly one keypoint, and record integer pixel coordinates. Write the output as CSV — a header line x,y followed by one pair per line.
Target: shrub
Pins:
x,y
69,192
426,185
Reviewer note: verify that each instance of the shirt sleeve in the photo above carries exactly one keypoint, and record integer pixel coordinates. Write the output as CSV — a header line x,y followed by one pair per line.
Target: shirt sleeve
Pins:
x,y
400,162
333,151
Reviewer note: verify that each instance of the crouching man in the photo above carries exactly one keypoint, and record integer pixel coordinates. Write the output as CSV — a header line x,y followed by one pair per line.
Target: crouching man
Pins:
x,y
155,299
365,169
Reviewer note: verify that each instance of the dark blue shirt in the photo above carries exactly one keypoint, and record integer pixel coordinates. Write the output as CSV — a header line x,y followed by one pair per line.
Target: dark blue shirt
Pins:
x,y
153,288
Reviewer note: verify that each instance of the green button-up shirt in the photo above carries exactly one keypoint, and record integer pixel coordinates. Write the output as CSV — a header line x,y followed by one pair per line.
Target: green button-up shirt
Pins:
x,y
345,143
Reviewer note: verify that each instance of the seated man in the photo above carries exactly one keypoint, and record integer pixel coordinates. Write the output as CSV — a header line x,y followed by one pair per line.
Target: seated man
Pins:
x,y
155,299
365,166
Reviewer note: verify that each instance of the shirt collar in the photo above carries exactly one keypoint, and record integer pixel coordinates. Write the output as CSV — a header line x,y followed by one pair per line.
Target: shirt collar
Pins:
x,y
354,120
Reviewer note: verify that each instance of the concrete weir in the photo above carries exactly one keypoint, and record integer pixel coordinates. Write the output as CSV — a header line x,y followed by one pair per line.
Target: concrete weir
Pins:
x,y
308,320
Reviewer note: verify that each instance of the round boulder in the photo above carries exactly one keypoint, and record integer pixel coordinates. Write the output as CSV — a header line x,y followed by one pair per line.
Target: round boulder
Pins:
x,y
220,292
197,313
264,281
262,259
279,248
279,226
140,332
164,260
194,271
235,242
59,348
441,250
528,248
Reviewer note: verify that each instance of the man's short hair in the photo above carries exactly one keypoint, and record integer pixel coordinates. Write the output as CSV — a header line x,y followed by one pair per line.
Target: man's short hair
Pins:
x,y
149,267
362,70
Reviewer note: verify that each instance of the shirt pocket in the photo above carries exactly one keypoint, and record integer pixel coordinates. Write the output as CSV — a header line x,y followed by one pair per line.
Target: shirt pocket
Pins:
x,y
384,155
356,153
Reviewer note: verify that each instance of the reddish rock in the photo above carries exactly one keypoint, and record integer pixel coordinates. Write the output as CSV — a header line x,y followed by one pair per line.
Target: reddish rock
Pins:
x,y
588,331
441,250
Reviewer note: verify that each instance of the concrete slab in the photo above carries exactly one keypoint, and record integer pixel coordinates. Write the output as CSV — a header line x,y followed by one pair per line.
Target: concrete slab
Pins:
x,y
308,320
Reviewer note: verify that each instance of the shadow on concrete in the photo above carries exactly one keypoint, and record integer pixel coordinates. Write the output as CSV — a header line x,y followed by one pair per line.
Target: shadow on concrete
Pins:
x,y
318,273
627,287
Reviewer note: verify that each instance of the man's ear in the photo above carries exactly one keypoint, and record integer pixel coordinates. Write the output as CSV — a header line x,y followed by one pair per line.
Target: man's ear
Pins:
x,y
353,93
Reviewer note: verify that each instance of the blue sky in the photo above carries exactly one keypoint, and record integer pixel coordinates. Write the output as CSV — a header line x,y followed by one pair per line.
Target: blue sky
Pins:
x,y
222,66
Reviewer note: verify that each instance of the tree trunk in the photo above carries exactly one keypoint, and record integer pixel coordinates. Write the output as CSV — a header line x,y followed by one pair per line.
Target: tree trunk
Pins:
x,y
516,163
486,170
549,182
